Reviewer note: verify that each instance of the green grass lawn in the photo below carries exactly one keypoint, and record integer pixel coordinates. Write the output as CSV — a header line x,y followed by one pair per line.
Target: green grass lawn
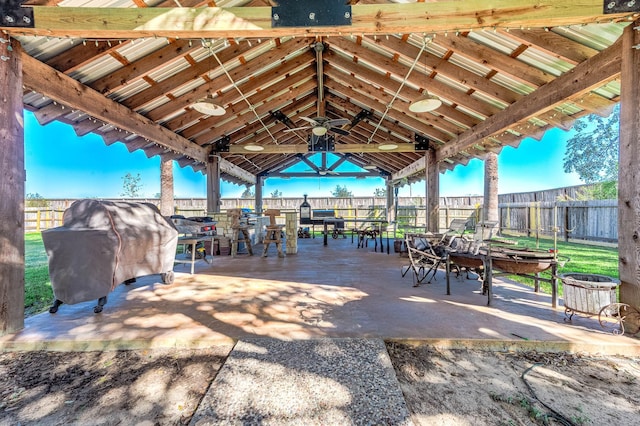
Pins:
x,y
38,294
583,258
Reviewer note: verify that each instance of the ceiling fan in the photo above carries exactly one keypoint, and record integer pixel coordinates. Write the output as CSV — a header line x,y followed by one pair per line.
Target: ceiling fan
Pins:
x,y
321,125
323,171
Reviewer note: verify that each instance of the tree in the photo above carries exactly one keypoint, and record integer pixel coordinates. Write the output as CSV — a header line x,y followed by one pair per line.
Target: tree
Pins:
x,y
380,192
131,186
276,194
36,200
247,193
593,151
341,192
598,191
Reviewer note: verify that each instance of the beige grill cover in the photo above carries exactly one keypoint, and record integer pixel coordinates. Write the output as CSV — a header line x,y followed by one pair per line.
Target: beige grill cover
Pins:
x,y
103,243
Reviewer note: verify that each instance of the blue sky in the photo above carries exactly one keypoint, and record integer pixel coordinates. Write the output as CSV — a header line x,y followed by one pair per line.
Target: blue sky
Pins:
x,y
61,165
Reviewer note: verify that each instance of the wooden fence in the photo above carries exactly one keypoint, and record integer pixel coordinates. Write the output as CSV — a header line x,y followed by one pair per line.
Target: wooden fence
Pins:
x,y
534,214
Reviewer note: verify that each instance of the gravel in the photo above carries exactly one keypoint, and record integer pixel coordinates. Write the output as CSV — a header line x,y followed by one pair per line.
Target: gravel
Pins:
x,y
311,382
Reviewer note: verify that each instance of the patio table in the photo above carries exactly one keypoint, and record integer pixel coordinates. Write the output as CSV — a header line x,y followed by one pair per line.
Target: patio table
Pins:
x,y
379,223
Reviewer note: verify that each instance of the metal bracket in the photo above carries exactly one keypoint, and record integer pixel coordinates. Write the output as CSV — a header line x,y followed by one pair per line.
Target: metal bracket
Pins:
x,y
360,116
422,143
310,13
12,14
620,6
324,143
221,145
281,117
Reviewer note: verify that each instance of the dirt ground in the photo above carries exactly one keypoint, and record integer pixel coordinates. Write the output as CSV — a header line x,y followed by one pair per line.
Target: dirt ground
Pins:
x,y
441,387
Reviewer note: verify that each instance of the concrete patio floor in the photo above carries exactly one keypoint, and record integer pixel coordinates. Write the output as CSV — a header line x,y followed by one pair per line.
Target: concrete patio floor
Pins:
x,y
322,292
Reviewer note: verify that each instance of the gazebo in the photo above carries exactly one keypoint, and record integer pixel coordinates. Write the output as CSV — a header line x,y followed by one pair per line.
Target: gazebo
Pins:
x,y
242,90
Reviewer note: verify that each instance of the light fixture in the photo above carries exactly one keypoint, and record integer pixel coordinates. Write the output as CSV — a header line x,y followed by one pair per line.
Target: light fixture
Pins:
x,y
207,106
319,130
387,146
369,167
425,104
253,148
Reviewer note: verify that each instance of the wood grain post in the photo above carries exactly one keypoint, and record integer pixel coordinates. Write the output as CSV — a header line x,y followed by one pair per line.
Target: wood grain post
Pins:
x,y
258,194
213,185
490,208
11,190
628,176
432,175
166,187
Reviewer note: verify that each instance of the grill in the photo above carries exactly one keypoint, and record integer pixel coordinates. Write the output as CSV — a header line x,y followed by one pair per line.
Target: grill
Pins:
x,y
104,243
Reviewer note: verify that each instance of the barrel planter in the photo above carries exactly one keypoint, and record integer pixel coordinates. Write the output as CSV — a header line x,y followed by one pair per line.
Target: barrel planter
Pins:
x,y
588,293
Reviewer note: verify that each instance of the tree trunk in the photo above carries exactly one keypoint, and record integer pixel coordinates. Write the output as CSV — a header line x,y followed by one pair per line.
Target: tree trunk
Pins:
x,y
491,212
166,188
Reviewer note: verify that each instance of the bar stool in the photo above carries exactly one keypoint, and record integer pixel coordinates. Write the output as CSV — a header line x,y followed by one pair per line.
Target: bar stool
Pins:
x,y
274,233
238,229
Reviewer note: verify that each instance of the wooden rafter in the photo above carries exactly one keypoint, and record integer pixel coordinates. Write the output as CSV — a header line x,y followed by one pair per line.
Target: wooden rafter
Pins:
x,y
125,23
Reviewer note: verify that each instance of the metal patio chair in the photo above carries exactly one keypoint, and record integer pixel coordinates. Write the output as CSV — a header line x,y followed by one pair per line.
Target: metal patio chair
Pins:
x,y
424,258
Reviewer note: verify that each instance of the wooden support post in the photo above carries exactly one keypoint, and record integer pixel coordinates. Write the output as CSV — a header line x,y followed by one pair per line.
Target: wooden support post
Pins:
x,y
213,185
628,178
258,194
432,175
11,189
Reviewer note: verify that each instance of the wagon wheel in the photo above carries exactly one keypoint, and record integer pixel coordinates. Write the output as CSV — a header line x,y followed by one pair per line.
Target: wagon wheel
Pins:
x,y
617,312
167,277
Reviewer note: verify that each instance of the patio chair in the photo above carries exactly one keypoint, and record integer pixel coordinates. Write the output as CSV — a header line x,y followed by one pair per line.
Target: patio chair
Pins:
x,y
456,229
424,258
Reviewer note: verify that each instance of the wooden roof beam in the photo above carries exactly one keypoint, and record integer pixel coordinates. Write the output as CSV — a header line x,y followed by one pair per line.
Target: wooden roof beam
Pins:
x,y
298,67
121,23
62,88
580,80
476,82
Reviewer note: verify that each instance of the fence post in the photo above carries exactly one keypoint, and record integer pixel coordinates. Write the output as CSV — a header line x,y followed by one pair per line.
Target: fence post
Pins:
x,y
38,220
566,223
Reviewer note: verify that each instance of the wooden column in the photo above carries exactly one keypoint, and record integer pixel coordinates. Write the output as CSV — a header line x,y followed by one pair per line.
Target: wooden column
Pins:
x,y
213,185
11,189
490,208
166,187
432,177
390,200
629,176
258,193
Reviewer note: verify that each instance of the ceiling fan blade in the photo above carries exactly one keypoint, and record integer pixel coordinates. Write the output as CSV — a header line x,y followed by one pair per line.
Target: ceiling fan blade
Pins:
x,y
297,128
310,120
339,131
337,122
333,172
